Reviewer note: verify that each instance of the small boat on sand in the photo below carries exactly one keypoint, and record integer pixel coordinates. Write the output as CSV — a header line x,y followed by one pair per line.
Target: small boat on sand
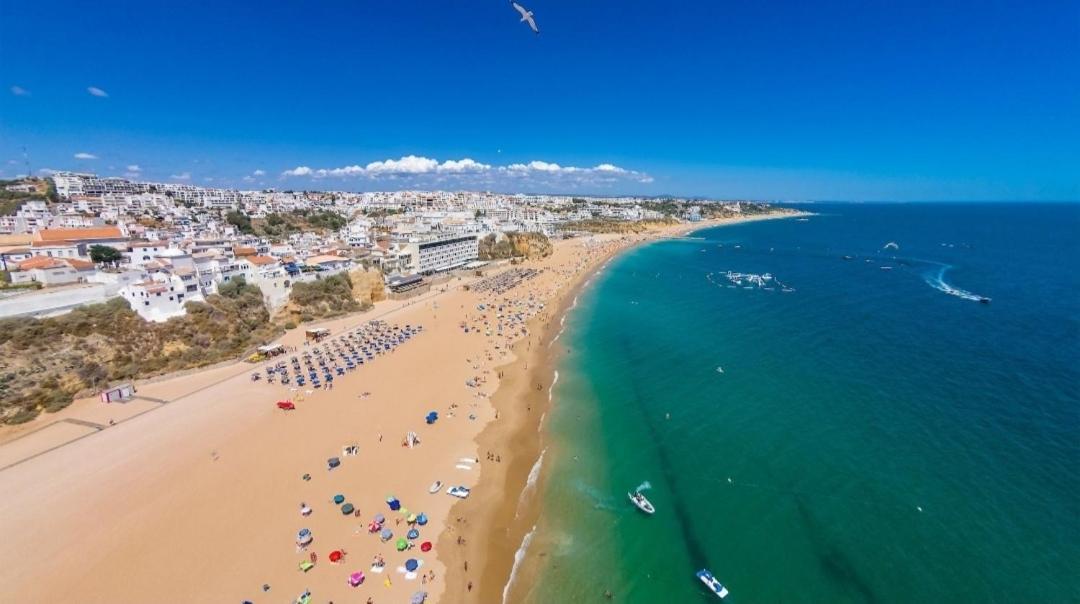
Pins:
x,y
710,581
435,486
641,503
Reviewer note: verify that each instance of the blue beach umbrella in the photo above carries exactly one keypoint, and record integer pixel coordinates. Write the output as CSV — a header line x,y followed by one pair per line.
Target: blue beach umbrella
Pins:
x,y
411,564
413,534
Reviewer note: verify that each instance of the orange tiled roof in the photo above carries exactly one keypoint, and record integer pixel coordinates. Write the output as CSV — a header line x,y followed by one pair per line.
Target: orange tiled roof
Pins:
x,y
82,234
245,251
39,262
57,243
79,264
260,260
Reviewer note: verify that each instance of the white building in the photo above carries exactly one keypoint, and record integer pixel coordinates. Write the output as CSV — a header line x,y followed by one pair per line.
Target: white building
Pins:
x,y
441,254
160,297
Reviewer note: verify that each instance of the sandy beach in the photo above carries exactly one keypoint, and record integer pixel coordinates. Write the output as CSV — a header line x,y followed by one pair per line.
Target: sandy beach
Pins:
x,y
193,491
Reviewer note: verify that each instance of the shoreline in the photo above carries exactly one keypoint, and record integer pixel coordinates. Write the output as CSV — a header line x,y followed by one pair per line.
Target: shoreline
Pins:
x,y
217,459
506,503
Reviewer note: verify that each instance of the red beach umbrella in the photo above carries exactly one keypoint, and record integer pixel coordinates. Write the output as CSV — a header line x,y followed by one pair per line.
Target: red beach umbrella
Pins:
x,y
335,556
425,546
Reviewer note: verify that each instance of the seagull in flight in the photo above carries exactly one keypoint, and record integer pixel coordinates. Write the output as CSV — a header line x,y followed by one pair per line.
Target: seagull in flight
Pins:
x,y
526,16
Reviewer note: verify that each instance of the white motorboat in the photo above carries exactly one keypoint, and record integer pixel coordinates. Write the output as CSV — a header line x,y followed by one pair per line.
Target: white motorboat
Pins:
x,y
641,503
712,583
435,486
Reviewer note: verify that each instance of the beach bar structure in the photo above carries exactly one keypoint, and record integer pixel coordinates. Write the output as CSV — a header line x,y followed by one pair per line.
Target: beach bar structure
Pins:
x,y
120,393
403,283
271,350
407,286
317,333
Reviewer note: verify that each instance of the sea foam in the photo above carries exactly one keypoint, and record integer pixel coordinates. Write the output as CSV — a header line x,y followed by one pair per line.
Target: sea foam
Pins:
x,y
519,556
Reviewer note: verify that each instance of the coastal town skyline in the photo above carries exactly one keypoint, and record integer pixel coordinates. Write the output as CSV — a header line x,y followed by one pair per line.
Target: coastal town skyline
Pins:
x,y
835,102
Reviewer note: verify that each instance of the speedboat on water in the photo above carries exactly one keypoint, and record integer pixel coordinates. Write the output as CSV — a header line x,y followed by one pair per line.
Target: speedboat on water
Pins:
x,y
711,582
641,503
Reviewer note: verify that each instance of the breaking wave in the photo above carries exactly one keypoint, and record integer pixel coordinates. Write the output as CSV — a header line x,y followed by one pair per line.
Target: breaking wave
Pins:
x,y
519,555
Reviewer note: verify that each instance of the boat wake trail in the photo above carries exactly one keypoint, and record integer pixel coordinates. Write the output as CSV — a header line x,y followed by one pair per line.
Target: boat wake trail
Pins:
x,y
519,555
645,486
936,280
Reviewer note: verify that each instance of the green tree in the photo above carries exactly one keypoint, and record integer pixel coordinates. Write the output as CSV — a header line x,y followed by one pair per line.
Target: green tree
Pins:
x,y
104,254
240,221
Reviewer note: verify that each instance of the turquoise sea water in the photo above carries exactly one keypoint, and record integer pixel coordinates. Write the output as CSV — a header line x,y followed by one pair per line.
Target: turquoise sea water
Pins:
x,y
875,435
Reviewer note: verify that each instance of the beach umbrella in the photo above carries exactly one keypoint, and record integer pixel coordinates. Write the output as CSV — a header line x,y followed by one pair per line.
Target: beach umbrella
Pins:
x,y
333,462
402,544
411,518
412,534
425,546
336,555
386,534
411,564
418,597
356,578
395,505
347,509
374,527
380,518
339,498
304,537
421,519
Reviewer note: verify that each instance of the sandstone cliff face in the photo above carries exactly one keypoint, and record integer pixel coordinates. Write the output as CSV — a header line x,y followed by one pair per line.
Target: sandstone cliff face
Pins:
x,y
515,245
368,286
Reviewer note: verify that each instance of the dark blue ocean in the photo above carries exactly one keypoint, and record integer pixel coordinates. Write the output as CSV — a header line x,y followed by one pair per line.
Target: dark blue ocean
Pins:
x,y
875,435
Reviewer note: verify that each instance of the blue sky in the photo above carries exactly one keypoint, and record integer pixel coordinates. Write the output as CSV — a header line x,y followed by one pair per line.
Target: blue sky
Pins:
x,y
857,100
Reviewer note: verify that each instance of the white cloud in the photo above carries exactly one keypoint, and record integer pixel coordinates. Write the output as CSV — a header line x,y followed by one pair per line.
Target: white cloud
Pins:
x,y
181,176
463,165
134,168
19,91
596,174
410,164
610,168
469,170
46,171
248,178
95,91
298,171
259,173
85,156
